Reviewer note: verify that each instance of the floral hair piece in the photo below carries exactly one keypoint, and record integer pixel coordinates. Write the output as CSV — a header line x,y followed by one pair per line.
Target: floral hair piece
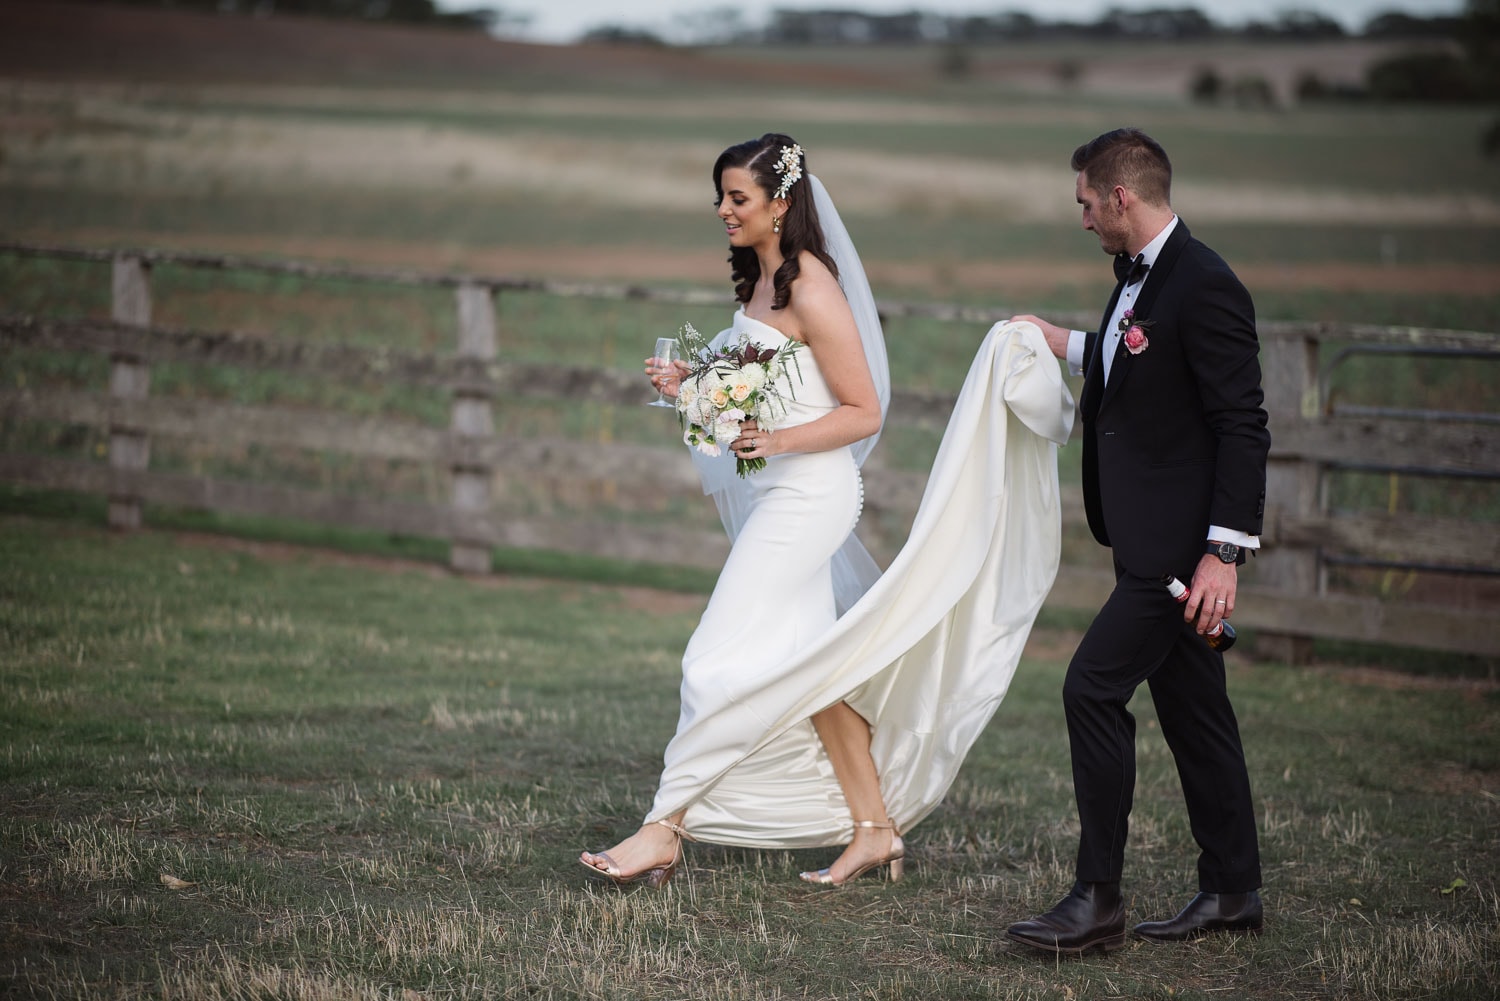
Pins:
x,y
790,168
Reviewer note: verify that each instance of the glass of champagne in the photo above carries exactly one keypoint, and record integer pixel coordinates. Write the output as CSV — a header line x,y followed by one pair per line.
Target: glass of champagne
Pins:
x,y
666,352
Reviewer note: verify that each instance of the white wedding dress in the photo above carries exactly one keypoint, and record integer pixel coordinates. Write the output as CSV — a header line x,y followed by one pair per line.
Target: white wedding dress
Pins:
x,y
925,656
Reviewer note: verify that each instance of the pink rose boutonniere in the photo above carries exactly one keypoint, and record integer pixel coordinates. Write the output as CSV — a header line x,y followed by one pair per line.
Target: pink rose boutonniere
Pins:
x,y
1135,332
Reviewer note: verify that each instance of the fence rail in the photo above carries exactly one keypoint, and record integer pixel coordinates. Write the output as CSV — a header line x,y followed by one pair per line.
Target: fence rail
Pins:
x,y
1287,598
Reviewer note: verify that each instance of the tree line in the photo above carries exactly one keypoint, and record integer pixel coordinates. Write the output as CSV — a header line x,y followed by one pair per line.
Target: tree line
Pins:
x,y
479,18
1462,65
843,26
727,24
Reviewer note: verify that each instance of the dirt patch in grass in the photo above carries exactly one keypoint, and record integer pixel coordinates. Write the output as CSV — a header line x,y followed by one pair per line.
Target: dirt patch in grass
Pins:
x,y
1397,681
639,599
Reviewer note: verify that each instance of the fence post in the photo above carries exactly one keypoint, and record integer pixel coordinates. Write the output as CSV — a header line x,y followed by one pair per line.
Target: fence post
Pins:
x,y
474,417
1290,380
129,379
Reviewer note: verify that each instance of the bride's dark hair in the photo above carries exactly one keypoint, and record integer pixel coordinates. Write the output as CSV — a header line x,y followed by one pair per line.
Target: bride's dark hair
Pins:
x,y
800,229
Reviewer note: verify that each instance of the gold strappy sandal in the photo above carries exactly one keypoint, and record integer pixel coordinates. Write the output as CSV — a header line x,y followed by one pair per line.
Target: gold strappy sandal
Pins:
x,y
655,878
824,877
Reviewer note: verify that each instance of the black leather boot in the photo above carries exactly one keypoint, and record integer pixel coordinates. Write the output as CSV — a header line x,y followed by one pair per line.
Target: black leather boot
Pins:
x,y
1234,913
1092,915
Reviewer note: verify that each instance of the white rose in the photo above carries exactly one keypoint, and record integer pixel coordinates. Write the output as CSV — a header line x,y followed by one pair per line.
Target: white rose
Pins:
x,y
727,430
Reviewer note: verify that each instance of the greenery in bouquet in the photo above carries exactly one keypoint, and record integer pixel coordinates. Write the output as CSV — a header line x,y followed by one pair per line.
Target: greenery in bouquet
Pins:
x,y
728,385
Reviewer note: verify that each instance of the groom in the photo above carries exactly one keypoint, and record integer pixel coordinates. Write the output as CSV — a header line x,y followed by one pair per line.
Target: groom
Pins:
x,y
1174,473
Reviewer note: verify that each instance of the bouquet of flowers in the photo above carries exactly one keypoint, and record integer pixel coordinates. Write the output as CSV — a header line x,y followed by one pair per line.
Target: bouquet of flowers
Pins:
x,y
727,386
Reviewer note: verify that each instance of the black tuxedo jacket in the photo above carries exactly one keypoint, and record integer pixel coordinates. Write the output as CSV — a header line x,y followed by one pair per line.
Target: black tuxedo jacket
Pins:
x,y
1177,440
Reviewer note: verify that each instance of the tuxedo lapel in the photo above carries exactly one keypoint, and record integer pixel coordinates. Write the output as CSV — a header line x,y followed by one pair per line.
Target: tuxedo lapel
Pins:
x,y
1093,361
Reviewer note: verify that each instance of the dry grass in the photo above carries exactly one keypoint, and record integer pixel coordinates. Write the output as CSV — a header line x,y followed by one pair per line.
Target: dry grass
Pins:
x,y
283,777
113,139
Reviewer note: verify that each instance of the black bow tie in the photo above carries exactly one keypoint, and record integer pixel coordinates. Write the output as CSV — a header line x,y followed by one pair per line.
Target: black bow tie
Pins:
x,y
1129,271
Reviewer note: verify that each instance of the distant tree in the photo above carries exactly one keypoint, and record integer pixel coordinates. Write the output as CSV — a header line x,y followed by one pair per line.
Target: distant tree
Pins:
x,y
1480,38
1295,25
713,26
1424,76
1067,73
1306,25
1207,86
1159,22
1005,27
1310,87
1489,142
854,27
1253,91
614,34
408,11
1465,72
1398,25
956,61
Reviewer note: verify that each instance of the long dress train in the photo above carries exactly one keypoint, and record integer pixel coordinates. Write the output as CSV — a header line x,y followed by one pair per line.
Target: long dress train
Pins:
x,y
925,656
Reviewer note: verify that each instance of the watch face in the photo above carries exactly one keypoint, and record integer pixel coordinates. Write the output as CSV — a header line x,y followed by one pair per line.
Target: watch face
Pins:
x,y
1229,552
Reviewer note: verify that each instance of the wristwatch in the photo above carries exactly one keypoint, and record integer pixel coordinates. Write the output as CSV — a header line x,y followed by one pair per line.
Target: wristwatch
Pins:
x,y
1227,552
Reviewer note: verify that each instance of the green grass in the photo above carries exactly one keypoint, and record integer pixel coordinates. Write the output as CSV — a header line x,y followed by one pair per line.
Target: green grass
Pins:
x,y
89,510
376,780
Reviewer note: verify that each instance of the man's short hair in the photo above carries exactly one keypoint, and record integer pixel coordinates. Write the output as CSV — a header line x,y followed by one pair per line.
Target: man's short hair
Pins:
x,y
1130,159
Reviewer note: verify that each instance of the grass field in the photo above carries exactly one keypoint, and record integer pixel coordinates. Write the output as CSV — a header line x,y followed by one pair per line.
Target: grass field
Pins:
x,y
372,780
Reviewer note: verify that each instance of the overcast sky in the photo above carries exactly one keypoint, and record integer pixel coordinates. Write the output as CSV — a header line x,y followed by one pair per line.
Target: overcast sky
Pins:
x,y
565,20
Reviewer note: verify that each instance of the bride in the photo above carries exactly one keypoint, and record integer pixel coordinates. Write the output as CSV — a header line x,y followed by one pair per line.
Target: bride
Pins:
x,y
822,702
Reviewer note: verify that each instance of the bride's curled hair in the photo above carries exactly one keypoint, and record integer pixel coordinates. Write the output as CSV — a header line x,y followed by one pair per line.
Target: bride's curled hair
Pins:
x,y
800,229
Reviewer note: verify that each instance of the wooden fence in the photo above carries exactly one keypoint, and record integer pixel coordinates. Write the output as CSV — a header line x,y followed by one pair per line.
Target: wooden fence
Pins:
x,y
1286,597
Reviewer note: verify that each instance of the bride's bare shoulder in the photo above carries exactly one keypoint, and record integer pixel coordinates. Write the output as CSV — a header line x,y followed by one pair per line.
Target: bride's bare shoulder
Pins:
x,y
814,271
817,295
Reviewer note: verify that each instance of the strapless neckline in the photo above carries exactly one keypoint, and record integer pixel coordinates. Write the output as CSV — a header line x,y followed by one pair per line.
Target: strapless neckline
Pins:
x,y
740,313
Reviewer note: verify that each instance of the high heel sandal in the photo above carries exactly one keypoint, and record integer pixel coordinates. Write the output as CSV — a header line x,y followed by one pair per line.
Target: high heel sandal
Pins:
x,y
655,877
824,877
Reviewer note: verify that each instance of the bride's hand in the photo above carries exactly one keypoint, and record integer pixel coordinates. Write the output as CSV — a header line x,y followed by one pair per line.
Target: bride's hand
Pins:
x,y
666,377
753,443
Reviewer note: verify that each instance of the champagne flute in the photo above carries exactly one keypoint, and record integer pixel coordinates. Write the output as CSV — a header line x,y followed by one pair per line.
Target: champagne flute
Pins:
x,y
666,352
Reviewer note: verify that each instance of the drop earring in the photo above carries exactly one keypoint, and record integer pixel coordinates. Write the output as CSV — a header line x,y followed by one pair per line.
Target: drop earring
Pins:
x,y
776,224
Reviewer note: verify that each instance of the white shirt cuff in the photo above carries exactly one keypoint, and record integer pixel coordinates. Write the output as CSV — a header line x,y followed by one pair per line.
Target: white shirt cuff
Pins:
x,y
1075,351
1220,534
